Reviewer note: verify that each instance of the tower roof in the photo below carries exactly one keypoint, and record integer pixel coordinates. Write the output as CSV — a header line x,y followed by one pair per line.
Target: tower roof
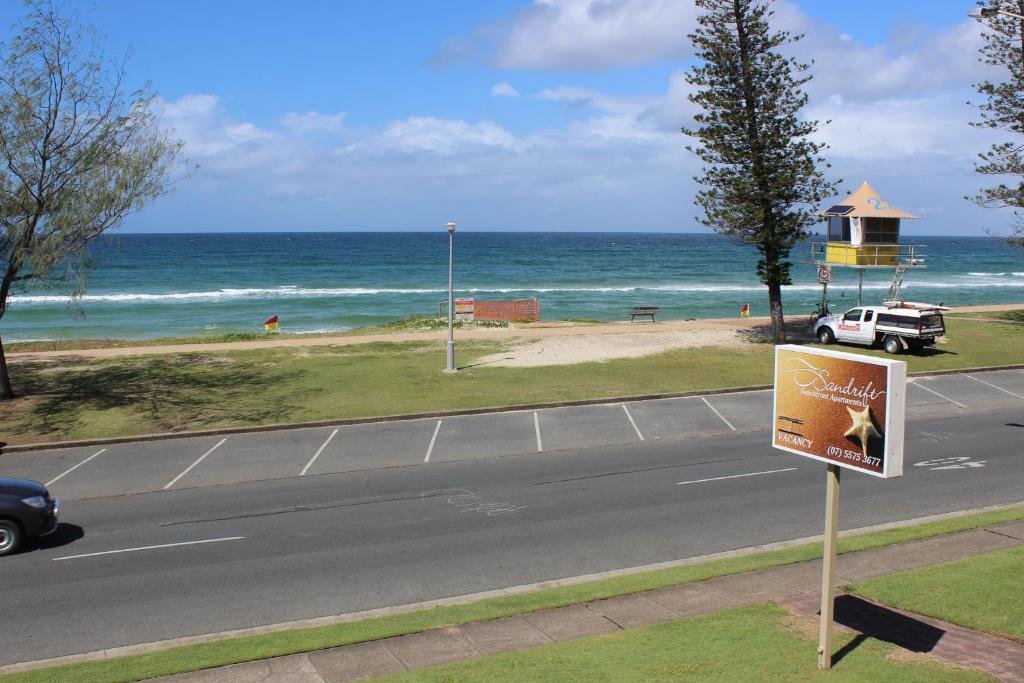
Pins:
x,y
865,203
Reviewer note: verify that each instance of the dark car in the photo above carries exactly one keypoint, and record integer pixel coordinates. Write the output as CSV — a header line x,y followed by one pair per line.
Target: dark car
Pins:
x,y
26,511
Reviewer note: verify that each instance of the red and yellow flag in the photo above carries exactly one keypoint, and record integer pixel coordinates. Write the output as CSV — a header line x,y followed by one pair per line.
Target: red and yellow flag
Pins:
x,y
745,311
270,324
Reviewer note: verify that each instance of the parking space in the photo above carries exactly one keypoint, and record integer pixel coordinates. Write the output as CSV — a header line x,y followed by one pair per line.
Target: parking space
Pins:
x,y
471,437
1007,382
961,389
680,418
746,411
46,467
251,457
380,444
585,427
133,468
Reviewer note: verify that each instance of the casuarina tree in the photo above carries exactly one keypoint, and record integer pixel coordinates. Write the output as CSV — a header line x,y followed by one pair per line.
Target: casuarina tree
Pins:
x,y
762,178
1003,109
78,153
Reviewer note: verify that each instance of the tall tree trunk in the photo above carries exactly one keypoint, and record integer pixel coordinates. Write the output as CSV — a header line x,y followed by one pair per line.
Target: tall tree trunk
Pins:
x,y
775,305
6,391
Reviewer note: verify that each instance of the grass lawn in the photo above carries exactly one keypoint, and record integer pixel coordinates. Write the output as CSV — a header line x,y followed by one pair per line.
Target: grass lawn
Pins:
x,y
761,642
94,398
1015,316
984,592
234,650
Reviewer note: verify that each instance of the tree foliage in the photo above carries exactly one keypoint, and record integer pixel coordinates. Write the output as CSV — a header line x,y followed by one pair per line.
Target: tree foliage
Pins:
x,y
761,182
1003,109
77,152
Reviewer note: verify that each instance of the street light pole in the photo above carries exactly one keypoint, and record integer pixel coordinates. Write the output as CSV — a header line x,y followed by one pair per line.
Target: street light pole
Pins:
x,y
980,13
451,302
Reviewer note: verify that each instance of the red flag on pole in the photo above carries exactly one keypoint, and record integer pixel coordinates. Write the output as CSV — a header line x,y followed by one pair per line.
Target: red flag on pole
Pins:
x,y
270,324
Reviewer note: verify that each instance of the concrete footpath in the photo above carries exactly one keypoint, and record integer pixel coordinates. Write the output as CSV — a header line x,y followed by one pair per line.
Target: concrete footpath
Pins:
x,y
794,586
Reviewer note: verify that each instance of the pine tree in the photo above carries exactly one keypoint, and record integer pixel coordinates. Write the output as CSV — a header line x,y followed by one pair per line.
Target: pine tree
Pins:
x,y
1004,110
761,183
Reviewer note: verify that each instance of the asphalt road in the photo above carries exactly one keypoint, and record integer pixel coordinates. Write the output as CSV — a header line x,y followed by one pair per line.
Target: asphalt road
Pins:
x,y
325,543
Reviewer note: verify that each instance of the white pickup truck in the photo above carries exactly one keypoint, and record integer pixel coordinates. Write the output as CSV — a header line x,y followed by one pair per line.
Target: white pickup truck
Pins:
x,y
898,326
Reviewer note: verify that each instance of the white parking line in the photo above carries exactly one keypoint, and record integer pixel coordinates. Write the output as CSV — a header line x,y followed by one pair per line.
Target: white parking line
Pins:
x,y
430,448
69,471
536,428
735,476
632,422
148,547
993,385
727,423
317,454
944,398
189,468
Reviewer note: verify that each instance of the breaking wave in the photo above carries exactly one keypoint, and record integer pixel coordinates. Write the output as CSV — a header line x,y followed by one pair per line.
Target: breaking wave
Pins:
x,y
289,292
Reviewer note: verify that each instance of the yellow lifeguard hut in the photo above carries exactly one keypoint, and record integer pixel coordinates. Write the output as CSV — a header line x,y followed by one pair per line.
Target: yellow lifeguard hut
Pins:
x,y
863,231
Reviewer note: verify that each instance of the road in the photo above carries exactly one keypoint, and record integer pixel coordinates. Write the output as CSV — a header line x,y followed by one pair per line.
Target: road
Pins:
x,y
469,505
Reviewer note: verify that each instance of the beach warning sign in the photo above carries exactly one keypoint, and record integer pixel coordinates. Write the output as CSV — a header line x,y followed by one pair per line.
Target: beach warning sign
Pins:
x,y
464,309
842,408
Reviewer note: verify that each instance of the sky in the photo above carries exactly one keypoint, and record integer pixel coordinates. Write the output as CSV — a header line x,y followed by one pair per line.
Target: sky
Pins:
x,y
501,115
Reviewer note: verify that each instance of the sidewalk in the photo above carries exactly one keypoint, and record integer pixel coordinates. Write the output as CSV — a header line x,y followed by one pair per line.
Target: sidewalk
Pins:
x,y
794,586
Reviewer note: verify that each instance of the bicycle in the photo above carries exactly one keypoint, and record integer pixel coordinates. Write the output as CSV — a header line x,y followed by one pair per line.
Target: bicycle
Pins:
x,y
820,312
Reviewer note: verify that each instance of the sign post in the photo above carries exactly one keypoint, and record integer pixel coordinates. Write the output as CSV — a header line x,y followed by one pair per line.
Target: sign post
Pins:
x,y
824,277
846,410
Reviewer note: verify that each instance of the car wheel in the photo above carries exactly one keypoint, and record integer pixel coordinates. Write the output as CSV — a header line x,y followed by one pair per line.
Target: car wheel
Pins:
x,y
825,335
892,345
10,537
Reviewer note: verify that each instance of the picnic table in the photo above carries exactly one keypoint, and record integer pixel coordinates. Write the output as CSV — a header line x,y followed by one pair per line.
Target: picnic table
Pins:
x,y
643,312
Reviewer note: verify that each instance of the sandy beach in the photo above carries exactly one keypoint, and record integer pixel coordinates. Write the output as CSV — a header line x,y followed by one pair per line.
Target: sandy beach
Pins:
x,y
543,343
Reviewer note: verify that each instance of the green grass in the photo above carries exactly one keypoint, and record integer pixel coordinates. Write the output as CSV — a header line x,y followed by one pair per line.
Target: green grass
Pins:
x,y
760,642
83,398
984,592
1014,316
208,655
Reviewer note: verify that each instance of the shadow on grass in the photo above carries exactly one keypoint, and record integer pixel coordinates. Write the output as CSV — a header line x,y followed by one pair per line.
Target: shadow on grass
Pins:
x,y
171,393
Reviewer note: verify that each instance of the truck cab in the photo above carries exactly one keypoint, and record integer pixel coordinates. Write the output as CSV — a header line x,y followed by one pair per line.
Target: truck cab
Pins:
x,y
897,326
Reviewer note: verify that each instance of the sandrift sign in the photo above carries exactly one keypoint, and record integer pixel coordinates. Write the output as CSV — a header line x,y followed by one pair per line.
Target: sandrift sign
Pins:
x,y
841,408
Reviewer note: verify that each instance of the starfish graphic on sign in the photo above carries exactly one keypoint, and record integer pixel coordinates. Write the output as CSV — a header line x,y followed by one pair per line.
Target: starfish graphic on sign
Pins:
x,y
862,428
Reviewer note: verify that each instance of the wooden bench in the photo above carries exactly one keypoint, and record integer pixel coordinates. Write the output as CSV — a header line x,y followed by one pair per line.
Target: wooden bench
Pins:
x,y
643,311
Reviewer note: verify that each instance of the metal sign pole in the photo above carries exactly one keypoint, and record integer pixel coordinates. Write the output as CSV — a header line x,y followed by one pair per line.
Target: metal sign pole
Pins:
x,y
860,286
828,570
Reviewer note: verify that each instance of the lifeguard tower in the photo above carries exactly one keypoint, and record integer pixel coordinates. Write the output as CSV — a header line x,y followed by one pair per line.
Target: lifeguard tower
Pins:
x,y
863,232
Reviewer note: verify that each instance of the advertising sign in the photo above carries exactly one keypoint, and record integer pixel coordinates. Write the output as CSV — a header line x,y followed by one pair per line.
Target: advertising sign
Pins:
x,y
841,408
464,309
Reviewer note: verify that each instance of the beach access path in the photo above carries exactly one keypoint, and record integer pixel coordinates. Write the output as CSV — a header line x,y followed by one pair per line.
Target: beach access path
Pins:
x,y
713,328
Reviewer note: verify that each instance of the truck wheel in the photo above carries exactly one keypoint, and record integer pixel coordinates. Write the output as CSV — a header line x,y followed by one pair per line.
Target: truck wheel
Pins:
x,y
825,335
892,345
10,537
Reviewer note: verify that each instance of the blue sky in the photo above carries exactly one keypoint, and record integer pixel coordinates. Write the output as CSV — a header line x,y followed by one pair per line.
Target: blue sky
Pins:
x,y
501,115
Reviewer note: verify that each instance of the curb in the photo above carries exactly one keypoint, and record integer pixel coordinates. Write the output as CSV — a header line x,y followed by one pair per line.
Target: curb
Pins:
x,y
157,646
164,436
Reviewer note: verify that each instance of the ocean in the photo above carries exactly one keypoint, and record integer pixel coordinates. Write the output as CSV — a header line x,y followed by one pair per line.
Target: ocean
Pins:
x,y
143,286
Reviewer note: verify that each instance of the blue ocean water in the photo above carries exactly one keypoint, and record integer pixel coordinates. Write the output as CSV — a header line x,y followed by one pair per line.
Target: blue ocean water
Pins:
x,y
192,284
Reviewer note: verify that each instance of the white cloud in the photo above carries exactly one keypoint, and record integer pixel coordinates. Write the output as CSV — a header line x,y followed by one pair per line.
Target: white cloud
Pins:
x,y
504,89
312,121
445,136
580,34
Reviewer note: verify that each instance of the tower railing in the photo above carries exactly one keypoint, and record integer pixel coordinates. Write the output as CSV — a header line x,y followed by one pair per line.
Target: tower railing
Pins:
x,y
868,255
